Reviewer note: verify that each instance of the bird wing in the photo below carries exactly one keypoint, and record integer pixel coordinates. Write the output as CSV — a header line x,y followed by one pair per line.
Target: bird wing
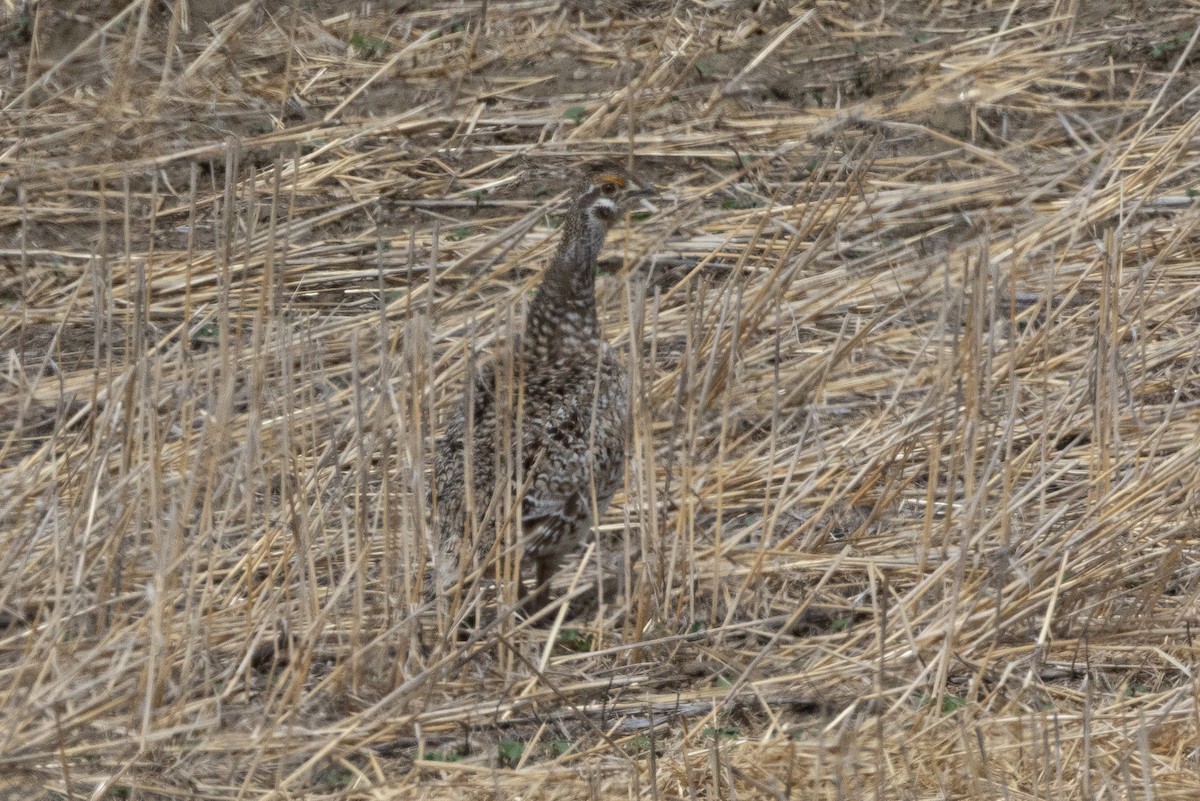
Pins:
x,y
563,454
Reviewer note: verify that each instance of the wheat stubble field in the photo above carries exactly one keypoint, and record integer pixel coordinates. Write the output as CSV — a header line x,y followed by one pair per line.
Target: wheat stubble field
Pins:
x,y
911,511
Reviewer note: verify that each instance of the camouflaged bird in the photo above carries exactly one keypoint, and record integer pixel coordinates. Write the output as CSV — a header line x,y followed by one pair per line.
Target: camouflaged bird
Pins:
x,y
573,397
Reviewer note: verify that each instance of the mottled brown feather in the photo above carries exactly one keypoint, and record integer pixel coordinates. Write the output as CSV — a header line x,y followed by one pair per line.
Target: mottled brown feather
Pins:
x,y
574,401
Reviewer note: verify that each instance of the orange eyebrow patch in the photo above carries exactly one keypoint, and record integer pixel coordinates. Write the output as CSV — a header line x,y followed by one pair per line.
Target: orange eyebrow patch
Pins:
x,y
609,178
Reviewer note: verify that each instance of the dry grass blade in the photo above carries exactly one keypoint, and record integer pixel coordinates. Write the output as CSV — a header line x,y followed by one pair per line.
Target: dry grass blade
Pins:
x,y
911,510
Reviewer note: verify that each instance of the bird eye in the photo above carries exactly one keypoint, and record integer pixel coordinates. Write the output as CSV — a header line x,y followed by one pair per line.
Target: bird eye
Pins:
x,y
609,189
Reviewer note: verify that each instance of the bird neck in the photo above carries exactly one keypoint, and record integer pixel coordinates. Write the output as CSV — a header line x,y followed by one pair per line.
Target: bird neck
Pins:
x,y
562,318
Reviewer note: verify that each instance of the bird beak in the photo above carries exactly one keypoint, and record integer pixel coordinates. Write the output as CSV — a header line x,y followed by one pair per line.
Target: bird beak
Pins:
x,y
643,195
647,190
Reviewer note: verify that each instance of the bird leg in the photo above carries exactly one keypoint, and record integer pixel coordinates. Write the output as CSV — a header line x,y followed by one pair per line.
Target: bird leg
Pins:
x,y
544,571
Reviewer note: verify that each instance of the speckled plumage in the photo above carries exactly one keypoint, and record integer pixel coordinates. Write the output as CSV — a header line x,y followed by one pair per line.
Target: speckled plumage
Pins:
x,y
574,412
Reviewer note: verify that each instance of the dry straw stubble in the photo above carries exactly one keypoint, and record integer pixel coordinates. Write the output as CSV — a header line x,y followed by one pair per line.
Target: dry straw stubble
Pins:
x,y
911,506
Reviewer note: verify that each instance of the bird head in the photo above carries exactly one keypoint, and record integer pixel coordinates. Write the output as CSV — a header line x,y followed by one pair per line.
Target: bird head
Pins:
x,y
609,189
606,191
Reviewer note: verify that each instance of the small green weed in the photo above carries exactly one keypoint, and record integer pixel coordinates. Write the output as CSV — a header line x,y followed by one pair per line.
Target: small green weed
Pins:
x,y
739,203
511,752
205,334
728,732
336,778
443,756
575,640
368,46
1169,47
18,31
951,703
